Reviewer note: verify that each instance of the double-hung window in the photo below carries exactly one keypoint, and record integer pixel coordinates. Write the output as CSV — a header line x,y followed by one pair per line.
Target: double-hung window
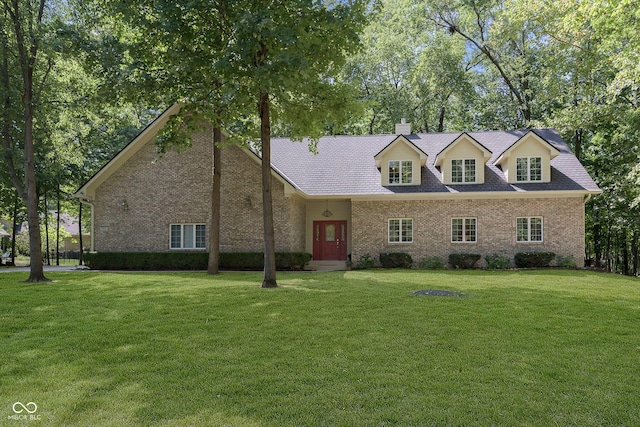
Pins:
x,y
528,169
400,171
464,230
463,170
188,236
400,230
529,229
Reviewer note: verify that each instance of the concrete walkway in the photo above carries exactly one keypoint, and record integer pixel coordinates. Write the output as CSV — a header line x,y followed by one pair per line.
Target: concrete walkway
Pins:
x,y
46,268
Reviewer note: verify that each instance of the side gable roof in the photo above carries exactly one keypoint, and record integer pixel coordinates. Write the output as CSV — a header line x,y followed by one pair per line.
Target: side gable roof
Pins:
x,y
401,139
486,153
342,166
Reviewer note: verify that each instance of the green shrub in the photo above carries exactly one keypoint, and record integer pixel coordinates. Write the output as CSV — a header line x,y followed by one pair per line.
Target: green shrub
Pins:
x,y
365,262
396,260
463,260
498,261
291,260
253,261
432,263
566,261
533,259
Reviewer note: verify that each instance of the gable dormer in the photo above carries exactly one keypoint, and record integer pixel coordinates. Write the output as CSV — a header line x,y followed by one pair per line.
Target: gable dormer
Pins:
x,y
401,162
462,161
528,160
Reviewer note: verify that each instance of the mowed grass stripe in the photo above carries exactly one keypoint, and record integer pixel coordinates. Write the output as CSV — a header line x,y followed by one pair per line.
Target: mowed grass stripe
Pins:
x,y
345,348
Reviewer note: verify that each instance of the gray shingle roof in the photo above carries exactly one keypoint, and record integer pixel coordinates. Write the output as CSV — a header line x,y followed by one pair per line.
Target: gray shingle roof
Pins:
x,y
345,165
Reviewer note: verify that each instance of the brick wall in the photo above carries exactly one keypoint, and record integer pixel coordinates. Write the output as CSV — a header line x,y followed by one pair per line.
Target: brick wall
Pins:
x,y
496,226
176,188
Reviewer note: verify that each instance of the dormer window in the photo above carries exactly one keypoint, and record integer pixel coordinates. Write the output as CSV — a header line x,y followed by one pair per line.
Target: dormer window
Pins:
x,y
463,171
400,172
528,159
462,161
400,162
528,169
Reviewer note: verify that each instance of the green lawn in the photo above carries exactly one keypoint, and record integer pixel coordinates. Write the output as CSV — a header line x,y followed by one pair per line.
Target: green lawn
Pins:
x,y
356,348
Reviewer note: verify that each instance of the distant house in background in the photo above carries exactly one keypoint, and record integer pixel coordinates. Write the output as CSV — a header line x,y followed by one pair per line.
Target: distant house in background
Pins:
x,y
71,232
5,238
422,194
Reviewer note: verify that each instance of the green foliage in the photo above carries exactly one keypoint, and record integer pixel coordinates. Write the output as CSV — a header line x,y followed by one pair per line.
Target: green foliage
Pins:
x,y
566,261
252,261
463,260
292,260
396,260
22,242
498,261
365,262
533,259
432,263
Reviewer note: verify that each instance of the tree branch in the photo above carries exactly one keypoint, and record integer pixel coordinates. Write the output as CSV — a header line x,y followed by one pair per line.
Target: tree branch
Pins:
x,y
487,52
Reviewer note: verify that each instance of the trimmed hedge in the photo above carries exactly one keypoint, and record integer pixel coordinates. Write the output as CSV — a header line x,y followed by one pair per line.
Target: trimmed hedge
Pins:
x,y
396,260
533,259
463,260
251,261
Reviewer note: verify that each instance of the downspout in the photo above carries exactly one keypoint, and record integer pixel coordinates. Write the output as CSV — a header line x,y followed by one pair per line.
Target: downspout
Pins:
x,y
88,203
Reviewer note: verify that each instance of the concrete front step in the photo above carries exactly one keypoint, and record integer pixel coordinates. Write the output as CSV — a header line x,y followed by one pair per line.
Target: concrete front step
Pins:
x,y
326,265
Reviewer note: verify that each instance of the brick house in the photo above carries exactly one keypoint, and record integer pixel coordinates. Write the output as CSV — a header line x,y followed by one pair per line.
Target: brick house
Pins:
x,y
423,194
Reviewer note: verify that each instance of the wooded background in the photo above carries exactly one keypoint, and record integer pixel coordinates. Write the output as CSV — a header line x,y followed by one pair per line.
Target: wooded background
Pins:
x,y
100,71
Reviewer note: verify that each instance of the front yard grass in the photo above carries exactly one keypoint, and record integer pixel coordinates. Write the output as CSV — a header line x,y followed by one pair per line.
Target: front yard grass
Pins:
x,y
518,348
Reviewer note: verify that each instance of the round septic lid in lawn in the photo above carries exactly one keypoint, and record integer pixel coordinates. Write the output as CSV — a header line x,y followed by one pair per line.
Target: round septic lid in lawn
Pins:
x,y
438,293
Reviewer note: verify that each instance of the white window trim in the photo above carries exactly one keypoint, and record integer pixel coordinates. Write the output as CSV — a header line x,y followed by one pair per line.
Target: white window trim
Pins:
x,y
399,171
464,235
399,242
529,169
529,218
464,171
182,248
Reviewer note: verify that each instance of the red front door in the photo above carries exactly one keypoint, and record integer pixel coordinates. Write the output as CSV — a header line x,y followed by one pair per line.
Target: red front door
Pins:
x,y
330,240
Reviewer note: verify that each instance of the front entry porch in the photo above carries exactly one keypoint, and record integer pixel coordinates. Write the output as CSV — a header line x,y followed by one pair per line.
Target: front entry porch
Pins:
x,y
333,265
330,240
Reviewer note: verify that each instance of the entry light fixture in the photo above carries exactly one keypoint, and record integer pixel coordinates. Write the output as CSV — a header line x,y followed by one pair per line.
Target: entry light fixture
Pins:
x,y
327,213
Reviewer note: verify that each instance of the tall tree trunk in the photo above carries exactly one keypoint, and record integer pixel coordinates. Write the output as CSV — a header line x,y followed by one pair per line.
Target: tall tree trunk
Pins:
x,y
625,252
81,253
371,123
634,252
607,250
14,229
441,119
36,271
597,238
58,226
27,55
269,280
214,232
577,146
46,228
